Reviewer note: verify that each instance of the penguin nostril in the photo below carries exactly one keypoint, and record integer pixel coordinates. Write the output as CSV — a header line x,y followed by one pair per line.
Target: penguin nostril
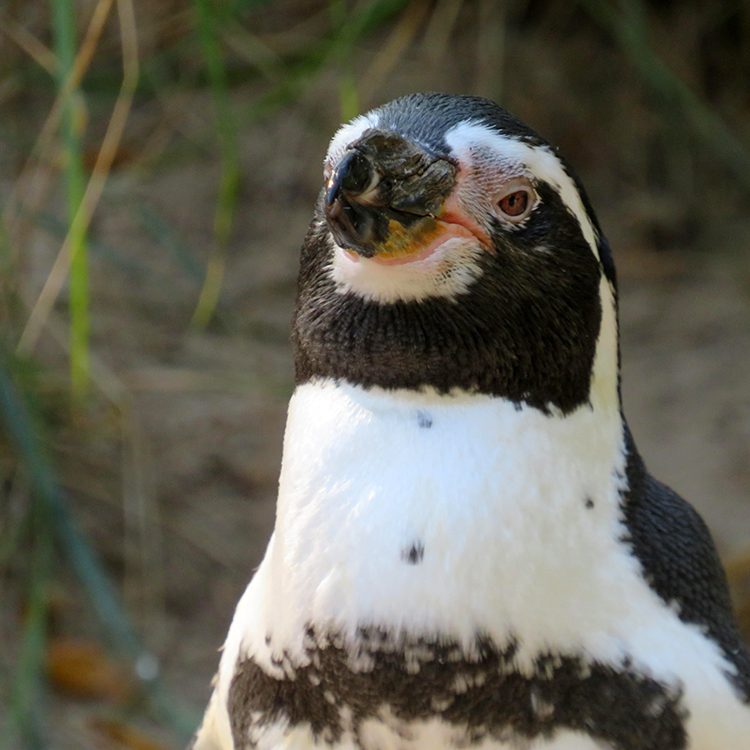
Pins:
x,y
360,175
354,175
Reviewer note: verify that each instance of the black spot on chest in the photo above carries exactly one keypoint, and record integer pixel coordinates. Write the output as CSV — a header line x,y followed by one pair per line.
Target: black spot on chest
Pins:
x,y
413,554
482,694
424,419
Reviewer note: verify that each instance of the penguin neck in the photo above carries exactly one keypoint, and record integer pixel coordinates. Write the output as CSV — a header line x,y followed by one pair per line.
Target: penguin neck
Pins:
x,y
374,437
373,478
520,335
361,407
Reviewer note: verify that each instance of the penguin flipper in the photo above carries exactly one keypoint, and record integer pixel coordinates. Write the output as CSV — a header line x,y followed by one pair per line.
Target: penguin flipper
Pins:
x,y
681,564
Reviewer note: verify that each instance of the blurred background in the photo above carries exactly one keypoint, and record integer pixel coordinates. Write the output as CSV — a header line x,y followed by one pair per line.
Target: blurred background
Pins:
x,y
158,164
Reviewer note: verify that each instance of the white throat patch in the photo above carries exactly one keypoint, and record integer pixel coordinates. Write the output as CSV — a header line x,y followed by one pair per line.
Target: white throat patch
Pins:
x,y
448,272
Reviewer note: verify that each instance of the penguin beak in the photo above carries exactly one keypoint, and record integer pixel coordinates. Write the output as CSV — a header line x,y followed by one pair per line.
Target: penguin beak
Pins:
x,y
385,196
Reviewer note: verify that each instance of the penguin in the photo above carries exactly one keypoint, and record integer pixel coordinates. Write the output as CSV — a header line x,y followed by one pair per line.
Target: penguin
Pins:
x,y
469,551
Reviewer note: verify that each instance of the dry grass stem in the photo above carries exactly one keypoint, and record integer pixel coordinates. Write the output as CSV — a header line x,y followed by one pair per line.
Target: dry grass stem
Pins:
x,y
40,151
35,49
95,186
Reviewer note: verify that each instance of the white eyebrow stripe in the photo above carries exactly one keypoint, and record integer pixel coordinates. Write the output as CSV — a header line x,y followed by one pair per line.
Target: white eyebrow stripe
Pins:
x,y
349,133
538,160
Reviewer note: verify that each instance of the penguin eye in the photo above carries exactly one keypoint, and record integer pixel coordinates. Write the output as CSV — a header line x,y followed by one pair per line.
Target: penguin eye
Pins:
x,y
517,204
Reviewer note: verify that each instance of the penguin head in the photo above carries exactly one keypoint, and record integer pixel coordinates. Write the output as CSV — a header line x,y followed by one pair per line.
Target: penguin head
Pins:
x,y
452,248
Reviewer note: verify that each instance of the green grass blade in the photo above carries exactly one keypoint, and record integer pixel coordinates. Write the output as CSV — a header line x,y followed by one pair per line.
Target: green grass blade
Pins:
x,y
64,28
26,693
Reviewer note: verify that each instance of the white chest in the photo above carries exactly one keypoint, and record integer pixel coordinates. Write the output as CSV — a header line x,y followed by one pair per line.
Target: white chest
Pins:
x,y
448,515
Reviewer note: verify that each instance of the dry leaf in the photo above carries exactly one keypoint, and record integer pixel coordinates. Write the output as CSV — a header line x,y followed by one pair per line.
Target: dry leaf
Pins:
x,y
83,669
124,736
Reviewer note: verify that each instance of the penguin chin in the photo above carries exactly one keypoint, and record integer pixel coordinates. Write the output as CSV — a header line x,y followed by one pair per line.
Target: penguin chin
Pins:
x,y
447,270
